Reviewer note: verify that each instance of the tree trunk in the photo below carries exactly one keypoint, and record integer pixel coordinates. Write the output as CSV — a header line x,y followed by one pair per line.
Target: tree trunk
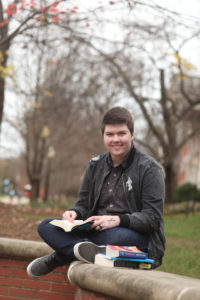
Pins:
x,y
170,181
2,88
35,189
4,57
2,80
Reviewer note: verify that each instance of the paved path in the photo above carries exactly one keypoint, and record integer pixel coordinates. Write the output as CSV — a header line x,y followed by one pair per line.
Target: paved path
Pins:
x,y
15,200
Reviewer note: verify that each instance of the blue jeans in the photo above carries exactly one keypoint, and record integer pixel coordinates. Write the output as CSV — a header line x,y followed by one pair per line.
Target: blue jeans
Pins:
x,y
63,242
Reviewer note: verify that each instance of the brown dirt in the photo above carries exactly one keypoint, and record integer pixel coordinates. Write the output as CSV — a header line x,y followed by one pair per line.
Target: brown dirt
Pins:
x,y
21,222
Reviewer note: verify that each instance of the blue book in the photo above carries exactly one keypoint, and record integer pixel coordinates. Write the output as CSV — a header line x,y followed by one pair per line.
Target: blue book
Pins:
x,y
147,260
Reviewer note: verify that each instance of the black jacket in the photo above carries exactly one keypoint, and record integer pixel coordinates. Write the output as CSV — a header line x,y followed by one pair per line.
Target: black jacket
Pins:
x,y
144,188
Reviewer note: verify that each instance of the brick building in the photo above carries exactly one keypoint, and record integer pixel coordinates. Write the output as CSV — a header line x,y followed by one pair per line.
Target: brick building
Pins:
x,y
189,158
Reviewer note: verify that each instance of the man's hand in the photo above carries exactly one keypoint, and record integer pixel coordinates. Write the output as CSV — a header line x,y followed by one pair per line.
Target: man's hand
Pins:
x,y
104,222
69,215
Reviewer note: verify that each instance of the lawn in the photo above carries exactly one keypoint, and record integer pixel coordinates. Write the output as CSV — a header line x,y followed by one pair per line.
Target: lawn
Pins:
x,y
182,254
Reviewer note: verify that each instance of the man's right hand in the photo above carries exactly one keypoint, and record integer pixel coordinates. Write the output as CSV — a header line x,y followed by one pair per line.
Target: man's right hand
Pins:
x,y
69,215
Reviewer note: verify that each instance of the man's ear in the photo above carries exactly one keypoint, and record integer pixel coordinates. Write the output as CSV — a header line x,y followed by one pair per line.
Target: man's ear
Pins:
x,y
132,134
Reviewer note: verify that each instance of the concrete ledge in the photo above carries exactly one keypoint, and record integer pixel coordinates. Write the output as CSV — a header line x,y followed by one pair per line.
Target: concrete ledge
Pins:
x,y
132,284
18,249
119,283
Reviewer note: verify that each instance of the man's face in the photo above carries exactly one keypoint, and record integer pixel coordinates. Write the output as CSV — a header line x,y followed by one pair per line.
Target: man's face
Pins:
x,y
117,140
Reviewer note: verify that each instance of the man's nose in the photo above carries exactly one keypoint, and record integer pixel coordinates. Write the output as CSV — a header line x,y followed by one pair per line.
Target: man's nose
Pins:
x,y
115,137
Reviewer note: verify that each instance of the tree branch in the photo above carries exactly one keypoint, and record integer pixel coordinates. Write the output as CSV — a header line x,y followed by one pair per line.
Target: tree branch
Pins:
x,y
8,38
166,110
188,137
139,99
146,146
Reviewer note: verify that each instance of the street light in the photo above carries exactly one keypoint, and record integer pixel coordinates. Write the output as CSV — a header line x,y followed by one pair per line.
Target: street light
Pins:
x,y
45,132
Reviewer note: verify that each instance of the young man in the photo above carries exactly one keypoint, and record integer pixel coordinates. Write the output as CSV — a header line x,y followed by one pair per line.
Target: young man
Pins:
x,y
122,191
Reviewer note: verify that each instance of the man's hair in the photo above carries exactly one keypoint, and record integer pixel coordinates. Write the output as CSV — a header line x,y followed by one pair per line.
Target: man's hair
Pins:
x,y
117,115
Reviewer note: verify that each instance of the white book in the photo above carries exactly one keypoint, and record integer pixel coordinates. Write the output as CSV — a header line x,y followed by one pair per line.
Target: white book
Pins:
x,y
108,261
69,226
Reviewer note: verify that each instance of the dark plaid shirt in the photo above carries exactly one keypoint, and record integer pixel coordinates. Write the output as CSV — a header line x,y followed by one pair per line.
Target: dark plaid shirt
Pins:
x,y
112,199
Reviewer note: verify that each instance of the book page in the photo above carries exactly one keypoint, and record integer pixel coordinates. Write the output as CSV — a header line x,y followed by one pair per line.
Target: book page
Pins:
x,y
76,222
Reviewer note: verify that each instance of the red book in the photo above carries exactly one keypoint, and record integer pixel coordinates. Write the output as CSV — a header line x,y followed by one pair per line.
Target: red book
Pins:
x,y
125,251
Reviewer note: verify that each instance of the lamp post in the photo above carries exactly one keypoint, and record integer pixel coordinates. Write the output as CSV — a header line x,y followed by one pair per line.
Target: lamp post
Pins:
x,y
50,155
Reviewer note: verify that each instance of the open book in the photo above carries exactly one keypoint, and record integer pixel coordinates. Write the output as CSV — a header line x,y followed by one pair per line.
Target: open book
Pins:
x,y
69,226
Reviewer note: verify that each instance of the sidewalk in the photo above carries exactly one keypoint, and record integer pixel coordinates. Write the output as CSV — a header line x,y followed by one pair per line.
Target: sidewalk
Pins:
x,y
15,200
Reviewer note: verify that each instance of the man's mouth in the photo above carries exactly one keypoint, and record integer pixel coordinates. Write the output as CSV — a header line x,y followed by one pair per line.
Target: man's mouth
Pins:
x,y
116,146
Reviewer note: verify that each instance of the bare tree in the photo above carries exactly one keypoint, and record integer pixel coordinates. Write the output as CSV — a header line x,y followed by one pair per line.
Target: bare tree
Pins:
x,y
79,98
6,38
68,99
139,74
24,18
130,65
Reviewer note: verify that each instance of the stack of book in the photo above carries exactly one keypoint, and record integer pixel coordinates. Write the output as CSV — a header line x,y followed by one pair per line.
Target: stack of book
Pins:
x,y
124,256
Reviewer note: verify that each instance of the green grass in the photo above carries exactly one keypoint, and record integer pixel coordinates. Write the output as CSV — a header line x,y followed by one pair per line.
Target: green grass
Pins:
x,y
182,254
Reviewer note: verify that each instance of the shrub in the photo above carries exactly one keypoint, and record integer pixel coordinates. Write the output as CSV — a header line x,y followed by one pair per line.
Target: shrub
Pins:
x,y
188,192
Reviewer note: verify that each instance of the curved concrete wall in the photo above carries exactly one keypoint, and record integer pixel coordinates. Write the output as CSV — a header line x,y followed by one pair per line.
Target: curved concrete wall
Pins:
x,y
134,284
21,249
118,283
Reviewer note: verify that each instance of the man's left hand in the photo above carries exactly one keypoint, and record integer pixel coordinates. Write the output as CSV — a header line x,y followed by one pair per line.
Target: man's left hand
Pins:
x,y
104,222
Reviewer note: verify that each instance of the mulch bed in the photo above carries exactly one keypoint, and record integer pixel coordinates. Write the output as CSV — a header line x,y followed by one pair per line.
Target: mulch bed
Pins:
x,y
21,221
